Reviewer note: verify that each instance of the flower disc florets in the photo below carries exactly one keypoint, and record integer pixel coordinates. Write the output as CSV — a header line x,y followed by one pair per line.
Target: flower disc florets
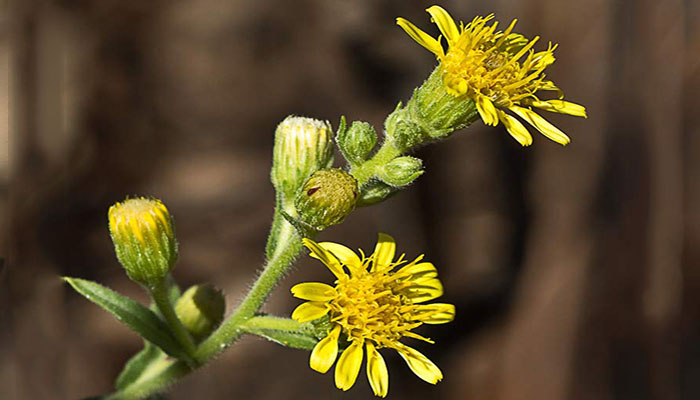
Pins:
x,y
374,306
498,70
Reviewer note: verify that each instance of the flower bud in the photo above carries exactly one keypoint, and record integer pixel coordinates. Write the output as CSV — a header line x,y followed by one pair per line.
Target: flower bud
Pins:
x,y
201,309
374,192
401,171
302,146
326,198
356,142
143,234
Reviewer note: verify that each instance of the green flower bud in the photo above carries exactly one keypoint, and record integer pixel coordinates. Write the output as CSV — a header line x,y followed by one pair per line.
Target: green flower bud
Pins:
x,y
430,115
302,146
401,171
143,234
357,142
326,198
374,192
201,309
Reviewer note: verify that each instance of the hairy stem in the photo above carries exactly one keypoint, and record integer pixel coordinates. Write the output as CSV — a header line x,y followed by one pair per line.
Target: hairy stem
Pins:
x,y
368,169
287,248
154,379
160,295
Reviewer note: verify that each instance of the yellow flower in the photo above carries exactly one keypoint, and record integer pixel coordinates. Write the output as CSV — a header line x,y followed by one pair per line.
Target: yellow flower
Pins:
x,y
498,70
143,235
374,306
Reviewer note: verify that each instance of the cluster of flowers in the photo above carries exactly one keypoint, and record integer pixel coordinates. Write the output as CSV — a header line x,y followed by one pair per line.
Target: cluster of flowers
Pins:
x,y
375,301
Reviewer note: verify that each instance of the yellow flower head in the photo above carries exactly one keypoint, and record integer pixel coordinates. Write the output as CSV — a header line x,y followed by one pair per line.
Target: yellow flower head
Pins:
x,y
375,306
143,234
498,70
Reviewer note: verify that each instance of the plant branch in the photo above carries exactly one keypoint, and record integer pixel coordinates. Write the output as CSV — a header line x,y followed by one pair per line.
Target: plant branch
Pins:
x,y
160,295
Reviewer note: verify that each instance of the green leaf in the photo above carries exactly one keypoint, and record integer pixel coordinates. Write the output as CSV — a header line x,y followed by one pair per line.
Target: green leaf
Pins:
x,y
131,313
289,339
136,366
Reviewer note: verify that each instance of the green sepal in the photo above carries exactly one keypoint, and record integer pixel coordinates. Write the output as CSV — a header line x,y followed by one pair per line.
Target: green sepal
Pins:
x,y
135,367
374,192
302,228
131,313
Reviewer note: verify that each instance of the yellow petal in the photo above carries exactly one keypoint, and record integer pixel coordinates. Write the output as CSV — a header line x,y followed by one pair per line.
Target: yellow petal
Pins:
x,y
542,125
343,254
487,110
325,352
549,85
423,270
516,129
309,311
421,37
436,313
377,373
420,364
314,291
562,107
417,336
348,366
326,257
423,291
445,23
384,251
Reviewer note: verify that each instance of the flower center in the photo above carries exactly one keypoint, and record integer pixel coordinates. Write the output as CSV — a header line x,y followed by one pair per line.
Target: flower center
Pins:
x,y
484,71
367,307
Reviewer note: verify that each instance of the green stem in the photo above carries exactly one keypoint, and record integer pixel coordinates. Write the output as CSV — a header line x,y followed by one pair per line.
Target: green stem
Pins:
x,y
287,248
157,376
286,245
368,169
160,295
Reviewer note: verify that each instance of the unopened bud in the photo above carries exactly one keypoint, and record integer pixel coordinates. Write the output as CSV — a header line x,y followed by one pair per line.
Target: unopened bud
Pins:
x,y
374,192
143,234
356,142
401,171
326,198
201,309
302,146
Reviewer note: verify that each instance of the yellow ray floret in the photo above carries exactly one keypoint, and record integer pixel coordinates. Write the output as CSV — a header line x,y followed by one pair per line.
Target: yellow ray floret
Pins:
x,y
498,70
374,305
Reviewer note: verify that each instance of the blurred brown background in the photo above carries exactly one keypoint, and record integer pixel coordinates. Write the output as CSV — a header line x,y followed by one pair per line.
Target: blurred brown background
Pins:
x,y
574,270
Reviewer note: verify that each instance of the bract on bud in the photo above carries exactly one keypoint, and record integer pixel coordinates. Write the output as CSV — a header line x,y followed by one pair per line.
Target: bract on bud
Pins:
x,y
143,234
374,192
401,171
302,146
430,115
356,142
201,309
326,198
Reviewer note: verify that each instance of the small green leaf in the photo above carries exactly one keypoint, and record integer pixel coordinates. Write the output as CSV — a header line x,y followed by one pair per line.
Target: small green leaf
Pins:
x,y
131,313
294,340
135,367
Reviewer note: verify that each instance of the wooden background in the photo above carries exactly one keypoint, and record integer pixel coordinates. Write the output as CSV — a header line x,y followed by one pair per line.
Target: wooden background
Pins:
x,y
575,270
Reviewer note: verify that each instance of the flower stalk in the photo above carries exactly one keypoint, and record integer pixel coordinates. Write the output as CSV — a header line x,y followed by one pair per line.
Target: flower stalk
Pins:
x,y
287,247
159,294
